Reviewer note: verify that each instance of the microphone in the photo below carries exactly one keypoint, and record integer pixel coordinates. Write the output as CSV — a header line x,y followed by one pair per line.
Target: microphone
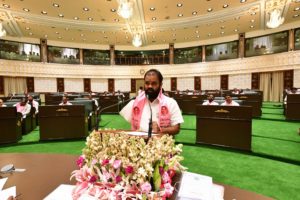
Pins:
x,y
150,120
107,107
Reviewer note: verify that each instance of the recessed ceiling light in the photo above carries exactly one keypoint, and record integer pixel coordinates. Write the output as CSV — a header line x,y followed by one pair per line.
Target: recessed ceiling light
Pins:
x,y
196,31
27,28
90,19
59,37
152,8
209,9
194,13
113,10
225,5
84,39
180,15
76,18
57,32
222,32
60,15
235,30
26,9
253,13
251,26
296,16
153,18
179,5
66,28
96,40
209,34
44,12
6,5
86,9
126,37
30,33
252,20
185,38
55,5
81,34
222,27
174,34
153,36
296,9
198,36
45,36
72,38
243,1
116,20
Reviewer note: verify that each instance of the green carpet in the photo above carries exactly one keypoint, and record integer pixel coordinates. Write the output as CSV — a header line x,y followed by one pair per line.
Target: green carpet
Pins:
x,y
272,169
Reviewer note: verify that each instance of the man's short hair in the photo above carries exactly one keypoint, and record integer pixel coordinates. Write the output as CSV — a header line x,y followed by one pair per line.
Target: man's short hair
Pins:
x,y
155,71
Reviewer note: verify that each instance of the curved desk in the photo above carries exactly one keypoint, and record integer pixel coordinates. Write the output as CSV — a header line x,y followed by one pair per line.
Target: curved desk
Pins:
x,y
45,172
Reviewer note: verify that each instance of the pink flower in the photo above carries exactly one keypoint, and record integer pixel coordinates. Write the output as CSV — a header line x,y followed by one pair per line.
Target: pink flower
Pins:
x,y
146,187
117,164
128,169
168,189
80,161
105,162
93,179
94,161
166,178
118,179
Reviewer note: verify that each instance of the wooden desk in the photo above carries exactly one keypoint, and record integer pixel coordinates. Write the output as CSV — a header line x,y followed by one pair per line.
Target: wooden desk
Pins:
x,y
293,107
63,122
254,100
187,103
105,101
10,125
45,172
228,126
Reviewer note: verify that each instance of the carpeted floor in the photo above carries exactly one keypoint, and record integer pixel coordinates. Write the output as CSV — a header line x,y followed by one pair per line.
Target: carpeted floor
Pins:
x,y
271,169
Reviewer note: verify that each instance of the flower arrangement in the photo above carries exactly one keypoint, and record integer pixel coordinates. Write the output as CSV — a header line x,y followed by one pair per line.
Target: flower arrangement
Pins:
x,y
116,165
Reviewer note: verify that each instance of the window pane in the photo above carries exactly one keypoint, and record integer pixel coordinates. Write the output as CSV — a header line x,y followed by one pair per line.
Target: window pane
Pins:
x,y
63,55
96,57
188,55
222,51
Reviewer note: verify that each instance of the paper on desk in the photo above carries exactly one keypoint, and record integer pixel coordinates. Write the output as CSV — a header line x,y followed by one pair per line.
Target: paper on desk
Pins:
x,y
4,194
195,187
65,192
2,182
138,133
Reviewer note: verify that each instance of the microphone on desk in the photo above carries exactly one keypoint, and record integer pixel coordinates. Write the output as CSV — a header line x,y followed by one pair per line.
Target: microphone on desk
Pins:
x,y
107,107
150,120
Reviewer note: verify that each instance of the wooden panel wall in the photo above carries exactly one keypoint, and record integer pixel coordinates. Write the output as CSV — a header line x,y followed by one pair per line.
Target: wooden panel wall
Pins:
x,y
197,83
30,84
288,79
1,85
111,85
60,83
224,82
133,85
255,81
173,83
87,84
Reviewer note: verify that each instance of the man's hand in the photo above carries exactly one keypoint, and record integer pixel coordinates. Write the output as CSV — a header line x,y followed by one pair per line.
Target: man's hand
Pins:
x,y
155,127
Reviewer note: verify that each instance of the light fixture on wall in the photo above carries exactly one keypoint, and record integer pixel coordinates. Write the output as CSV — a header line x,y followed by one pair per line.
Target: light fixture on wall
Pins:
x,y
2,31
275,9
125,8
137,40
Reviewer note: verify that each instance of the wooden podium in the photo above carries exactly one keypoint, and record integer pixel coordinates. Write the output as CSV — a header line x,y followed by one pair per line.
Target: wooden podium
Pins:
x,y
10,125
228,126
293,107
63,122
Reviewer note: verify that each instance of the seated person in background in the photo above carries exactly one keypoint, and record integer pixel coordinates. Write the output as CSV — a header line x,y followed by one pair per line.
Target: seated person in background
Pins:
x,y
90,97
210,101
2,104
140,90
166,115
65,101
235,91
292,91
33,103
229,102
23,107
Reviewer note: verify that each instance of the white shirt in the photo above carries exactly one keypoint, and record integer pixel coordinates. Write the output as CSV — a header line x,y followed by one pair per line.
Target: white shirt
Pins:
x,y
213,103
173,108
233,103
66,104
35,104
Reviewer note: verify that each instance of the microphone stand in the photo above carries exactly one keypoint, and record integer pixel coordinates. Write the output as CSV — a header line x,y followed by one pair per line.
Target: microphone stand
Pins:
x,y
98,118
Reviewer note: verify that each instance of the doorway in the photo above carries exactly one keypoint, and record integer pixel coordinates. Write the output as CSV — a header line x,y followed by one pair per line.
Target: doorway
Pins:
x,y
138,83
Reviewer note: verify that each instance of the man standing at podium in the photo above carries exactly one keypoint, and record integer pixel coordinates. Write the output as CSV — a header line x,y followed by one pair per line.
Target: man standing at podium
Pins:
x,y
152,103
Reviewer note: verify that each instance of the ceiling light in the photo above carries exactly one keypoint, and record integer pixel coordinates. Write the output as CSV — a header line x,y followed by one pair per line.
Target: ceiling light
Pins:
x,y
137,40
180,15
27,28
6,5
152,9
222,32
30,33
76,18
26,9
59,37
296,9
125,8
153,18
57,32
194,13
113,10
81,34
196,31
225,5
60,15
243,1
251,26
253,13
55,5
209,34
222,27
90,19
116,20
86,9
235,30
209,9
44,12
179,5
275,19
45,36
198,36
252,20
67,28
2,31
296,16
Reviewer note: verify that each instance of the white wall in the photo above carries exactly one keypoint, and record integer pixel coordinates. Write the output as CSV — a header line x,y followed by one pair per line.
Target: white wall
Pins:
x,y
297,78
122,84
45,84
73,84
185,83
210,82
242,81
167,84
99,85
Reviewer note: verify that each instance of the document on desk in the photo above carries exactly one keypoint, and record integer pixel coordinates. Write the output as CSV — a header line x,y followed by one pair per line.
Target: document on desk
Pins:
x,y
4,194
138,133
195,187
2,183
